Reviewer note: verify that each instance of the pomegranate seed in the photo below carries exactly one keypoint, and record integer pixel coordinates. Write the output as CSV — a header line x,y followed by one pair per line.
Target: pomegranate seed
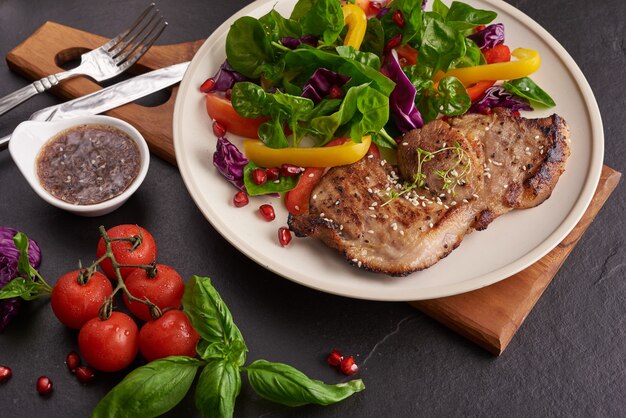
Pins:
x,y
218,129
335,92
374,8
44,385
72,361
398,18
228,93
5,373
479,28
289,170
208,85
240,199
267,211
284,236
393,42
259,176
85,374
334,358
348,366
272,173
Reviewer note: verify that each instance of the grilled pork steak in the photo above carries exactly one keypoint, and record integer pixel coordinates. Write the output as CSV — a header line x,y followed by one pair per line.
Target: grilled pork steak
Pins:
x,y
452,177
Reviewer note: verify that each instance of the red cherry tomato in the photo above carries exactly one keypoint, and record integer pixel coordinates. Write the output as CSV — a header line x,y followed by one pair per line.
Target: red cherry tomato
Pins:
x,y
170,335
164,290
221,109
73,303
144,253
109,345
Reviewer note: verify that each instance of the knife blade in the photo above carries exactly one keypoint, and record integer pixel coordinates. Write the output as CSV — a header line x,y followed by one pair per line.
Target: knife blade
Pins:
x,y
110,97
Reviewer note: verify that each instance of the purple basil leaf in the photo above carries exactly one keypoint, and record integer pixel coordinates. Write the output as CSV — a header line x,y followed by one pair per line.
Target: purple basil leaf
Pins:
x,y
402,99
225,77
497,96
319,84
230,162
489,37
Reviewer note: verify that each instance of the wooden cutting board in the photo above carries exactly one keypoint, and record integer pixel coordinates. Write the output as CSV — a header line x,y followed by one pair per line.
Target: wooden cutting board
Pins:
x,y
489,316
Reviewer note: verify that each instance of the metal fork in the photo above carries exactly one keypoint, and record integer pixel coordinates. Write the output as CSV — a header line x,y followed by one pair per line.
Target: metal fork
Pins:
x,y
102,63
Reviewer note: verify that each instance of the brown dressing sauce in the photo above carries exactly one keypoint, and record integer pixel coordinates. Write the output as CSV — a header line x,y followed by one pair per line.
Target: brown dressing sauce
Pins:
x,y
88,164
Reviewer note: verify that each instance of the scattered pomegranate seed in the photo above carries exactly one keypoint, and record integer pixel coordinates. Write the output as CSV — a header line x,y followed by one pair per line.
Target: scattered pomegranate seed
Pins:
x,y
240,199
72,361
208,85
44,385
284,236
85,374
289,170
348,366
218,129
334,358
398,18
259,176
267,211
335,92
479,28
272,173
5,373
394,42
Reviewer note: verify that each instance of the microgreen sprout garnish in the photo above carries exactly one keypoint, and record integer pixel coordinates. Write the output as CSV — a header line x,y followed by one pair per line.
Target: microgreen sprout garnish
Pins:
x,y
454,176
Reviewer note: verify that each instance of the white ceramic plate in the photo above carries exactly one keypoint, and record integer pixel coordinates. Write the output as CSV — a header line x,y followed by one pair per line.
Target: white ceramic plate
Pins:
x,y
510,244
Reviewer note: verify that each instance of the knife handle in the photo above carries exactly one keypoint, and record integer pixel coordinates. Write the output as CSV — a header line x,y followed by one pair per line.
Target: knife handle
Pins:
x,y
9,101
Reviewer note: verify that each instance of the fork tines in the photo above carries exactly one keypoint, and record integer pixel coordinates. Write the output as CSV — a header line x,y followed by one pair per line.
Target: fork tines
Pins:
x,y
127,47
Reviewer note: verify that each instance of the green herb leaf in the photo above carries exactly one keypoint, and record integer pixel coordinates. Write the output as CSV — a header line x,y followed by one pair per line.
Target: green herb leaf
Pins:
x,y
286,385
23,264
322,18
528,89
248,48
150,390
208,313
441,45
449,98
249,100
366,58
440,8
412,12
463,16
277,27
218,387
284,183
374,39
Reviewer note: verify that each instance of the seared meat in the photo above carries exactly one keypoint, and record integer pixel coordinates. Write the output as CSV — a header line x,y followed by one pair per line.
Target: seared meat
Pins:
x,y
452,177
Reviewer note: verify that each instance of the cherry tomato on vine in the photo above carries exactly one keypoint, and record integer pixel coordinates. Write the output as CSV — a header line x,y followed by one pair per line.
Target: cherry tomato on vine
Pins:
x,y
74,303
144,253
170,335
109,345
164,290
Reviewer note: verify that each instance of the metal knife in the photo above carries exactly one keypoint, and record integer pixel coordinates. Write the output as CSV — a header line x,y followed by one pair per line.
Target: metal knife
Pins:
x,y
110,97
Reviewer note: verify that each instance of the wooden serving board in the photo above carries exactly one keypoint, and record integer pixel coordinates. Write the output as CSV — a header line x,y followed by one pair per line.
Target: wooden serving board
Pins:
x,y
489,316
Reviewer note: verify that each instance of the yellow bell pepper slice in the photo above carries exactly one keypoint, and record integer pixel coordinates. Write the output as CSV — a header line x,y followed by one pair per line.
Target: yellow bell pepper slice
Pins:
x,y
354,17
528,61
344,154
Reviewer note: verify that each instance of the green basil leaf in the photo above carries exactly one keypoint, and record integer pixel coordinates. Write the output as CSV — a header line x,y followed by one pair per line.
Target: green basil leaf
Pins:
x,y
235,352
284,184
218,387
286,385
248,48
150,390
208,313
528,89
465,16
365,58
374,39
23,264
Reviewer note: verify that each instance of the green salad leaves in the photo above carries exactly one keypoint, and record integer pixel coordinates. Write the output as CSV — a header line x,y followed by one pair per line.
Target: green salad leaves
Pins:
x,y
157,387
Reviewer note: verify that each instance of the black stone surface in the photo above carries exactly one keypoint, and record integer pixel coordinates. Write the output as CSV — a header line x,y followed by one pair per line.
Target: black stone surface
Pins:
x,y
568,359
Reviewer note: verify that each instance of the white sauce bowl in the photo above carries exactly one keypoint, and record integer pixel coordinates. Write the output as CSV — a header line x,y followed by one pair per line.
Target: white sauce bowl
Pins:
x,y
30,137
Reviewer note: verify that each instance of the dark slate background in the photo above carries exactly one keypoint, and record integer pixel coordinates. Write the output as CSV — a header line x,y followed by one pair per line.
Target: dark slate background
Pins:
x,y
568,359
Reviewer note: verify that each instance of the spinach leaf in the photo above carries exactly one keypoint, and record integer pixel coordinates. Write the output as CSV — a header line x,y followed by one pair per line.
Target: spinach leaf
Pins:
x,y
272,132
374,39
301,8
249,100
441,45
412,13
284,183
150,390
420,76
285,385
324,108
366,58
528,89
363,110
322,18
277,27
440,8
463,16
208,313
248,49
449,98
218,387
472,56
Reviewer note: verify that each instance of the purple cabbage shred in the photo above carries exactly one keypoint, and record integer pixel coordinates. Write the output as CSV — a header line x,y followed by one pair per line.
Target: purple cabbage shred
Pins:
x,y
319,84
497,96
9,256
489,37
230,162
226,77
293,43
402,99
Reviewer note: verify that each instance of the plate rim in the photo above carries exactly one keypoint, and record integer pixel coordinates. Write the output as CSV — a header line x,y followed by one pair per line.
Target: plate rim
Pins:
x,y
566,225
